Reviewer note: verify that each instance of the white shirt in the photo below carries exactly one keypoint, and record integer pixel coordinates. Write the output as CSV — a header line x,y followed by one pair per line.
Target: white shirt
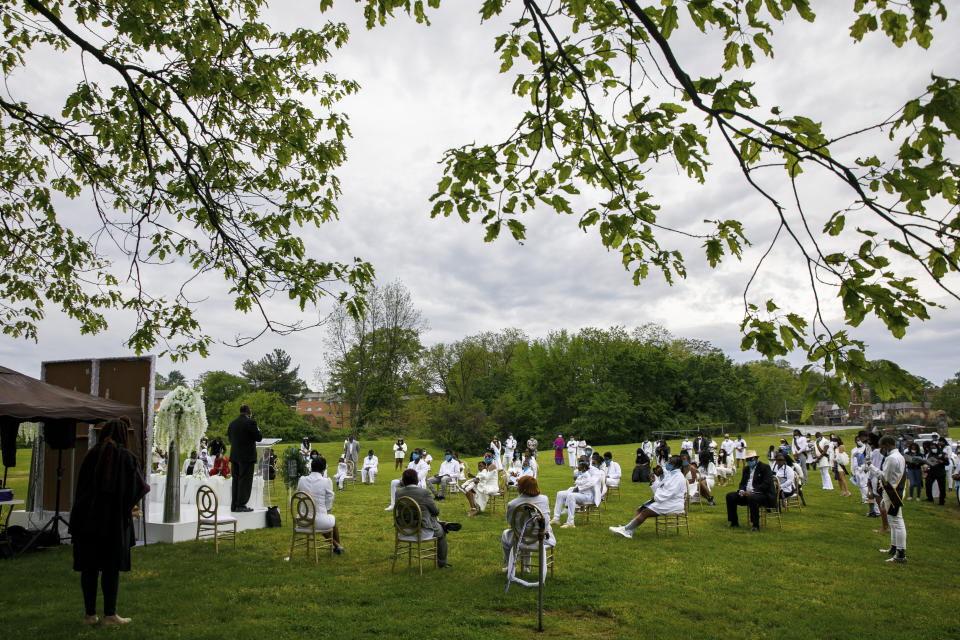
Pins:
x,y
586,484
741,446
320,489
511,444
614,472
647,448
572,447
686,445
752,471
709,472
371,462
785,475
727,446
893,467
449,468
822,448
799,445
669,492
423,469
399,450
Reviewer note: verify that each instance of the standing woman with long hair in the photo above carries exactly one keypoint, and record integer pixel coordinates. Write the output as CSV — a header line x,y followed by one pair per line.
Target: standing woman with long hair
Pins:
x,y
842,460
109,486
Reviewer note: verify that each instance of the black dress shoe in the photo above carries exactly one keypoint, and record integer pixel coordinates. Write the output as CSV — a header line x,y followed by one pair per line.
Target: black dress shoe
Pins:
x,y
452,526
733,525
445,566
754,529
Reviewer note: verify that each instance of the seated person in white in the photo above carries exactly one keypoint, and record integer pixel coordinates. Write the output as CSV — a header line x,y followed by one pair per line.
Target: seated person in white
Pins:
x,y
534,466
483,485
427,459
707,473
305,449
369,468
320,488
418,465
463,467
614,473
526,468
668,497
529,494
191,465
514,469
786,475
586,490
691,474
341,472
449,471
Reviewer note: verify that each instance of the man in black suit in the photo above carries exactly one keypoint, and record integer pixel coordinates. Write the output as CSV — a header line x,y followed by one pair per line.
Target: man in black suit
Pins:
x,y
756,490
244,435
410,489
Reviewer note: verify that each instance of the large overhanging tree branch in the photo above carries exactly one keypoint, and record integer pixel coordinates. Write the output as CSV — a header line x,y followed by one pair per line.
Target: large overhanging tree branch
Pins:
x,y
595,127
187,138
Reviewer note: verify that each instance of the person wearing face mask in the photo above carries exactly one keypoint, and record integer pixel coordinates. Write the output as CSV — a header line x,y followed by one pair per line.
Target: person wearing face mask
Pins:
x,y
892,478
707,472
857,459
936,473
509,448
399,453
840,462
821,455
449,470
370,467
558,447
668,487
614,473
784,471
586,490
534,465
496,447
417,465
341,473
690,474
572,451
914,462
483,485
514,468
798,449
756,490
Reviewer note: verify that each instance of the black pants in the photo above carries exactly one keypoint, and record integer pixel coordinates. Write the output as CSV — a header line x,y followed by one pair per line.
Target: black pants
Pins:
x,y
753,501
109,582
942,482
242,483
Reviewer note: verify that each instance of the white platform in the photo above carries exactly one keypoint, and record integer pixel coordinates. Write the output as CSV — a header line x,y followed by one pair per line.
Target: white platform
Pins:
x,y
186,529
157,531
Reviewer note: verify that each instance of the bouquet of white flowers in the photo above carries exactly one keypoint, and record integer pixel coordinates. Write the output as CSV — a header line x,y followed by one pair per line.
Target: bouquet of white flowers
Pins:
x,y
182,417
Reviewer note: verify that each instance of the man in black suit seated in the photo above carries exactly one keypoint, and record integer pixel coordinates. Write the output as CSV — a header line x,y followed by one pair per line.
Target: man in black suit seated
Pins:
x,y
244,435
756,490
409,489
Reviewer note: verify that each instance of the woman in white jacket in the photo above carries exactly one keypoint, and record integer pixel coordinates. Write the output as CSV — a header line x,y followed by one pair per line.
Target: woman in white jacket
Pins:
x,y
320,488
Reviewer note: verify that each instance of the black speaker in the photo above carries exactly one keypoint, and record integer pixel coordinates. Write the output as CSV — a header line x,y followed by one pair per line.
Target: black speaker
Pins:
x,y
9,428
60,434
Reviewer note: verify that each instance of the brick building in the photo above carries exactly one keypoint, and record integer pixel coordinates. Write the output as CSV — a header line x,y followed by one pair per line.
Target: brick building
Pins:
x,y
325,405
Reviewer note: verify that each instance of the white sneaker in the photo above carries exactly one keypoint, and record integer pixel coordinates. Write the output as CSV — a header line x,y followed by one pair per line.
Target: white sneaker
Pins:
x,y
622,531
390,508
554,522
568,525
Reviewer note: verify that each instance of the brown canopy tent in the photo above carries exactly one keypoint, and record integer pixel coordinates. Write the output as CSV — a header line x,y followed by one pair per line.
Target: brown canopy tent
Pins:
x,y
26,399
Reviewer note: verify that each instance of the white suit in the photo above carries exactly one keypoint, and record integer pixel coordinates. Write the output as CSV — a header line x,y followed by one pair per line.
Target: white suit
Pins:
x,y
586,491
572,452
371,465
821,452
614,474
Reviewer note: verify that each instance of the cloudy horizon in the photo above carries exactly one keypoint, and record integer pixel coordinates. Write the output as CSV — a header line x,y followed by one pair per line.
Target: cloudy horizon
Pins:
x,y
426,89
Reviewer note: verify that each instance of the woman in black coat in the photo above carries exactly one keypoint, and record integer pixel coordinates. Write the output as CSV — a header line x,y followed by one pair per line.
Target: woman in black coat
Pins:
x,y
109,486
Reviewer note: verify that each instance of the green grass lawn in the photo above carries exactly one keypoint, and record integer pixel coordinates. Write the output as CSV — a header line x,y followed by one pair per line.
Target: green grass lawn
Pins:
x,y
820,577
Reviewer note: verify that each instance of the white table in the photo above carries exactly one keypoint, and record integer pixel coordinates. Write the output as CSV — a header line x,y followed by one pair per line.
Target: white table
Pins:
x,y
189,485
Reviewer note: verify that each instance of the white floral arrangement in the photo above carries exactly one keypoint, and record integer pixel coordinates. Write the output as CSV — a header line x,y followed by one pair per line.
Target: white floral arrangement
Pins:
x,y
182,416
29,431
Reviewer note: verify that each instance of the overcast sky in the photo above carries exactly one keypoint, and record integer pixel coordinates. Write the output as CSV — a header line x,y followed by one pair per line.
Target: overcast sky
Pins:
x,y
428,89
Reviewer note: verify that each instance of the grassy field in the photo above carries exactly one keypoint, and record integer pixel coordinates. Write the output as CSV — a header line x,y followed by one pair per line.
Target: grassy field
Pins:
x,y
820,577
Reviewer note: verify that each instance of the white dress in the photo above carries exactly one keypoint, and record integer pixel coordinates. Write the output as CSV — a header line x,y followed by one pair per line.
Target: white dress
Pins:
x,y
668,493
321,490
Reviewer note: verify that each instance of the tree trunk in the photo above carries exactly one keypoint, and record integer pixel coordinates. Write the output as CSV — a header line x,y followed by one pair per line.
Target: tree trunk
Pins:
x,y
171,500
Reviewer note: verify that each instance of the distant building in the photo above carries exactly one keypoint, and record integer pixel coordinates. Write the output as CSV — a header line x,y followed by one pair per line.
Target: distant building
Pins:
x,y
325,405
158,396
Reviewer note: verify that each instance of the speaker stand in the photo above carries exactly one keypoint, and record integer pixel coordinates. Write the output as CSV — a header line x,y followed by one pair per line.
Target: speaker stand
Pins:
x,y
53,526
